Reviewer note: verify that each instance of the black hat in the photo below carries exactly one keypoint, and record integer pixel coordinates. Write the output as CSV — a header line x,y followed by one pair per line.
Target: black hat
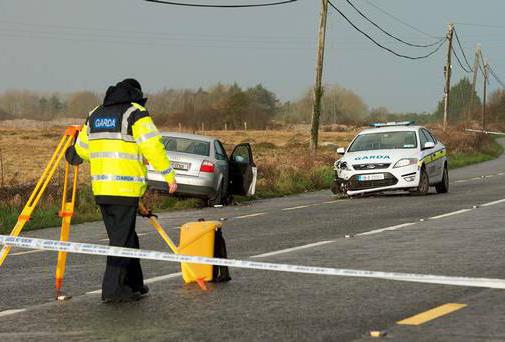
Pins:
x,y
132,83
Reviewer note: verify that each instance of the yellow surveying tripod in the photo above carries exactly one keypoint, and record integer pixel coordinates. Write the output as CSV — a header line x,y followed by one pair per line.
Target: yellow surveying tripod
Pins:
x,y
67,208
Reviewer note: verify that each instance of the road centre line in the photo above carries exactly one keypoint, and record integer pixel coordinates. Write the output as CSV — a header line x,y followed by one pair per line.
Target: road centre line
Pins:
x,y
250,215
299,207
432,314
492,203
449,214
376,231
288,250
11,312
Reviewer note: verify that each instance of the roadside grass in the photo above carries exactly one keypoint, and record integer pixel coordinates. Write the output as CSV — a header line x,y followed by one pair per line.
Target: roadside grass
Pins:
x,y
489,152
285,168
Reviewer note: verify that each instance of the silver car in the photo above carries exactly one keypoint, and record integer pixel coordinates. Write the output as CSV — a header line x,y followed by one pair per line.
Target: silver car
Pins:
x,y
204,170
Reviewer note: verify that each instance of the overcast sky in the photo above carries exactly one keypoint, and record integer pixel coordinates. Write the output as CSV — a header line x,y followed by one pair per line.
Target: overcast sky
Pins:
x,y
68,45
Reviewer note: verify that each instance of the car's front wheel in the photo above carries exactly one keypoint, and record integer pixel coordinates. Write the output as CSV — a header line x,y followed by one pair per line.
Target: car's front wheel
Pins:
x,y
443,186
424,183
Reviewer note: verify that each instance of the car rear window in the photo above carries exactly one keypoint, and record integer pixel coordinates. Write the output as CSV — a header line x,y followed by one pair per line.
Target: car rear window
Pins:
x,y
184,145
384,141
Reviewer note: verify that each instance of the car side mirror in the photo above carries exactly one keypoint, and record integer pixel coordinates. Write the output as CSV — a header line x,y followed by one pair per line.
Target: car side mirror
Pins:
x,y
341,151
429,144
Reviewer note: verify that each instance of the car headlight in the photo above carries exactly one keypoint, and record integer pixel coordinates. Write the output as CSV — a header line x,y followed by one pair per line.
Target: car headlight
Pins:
x,y
341,165
405,162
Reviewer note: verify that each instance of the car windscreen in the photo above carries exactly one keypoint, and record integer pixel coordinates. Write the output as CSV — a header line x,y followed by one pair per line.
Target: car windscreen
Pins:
x,y
384,141
185,145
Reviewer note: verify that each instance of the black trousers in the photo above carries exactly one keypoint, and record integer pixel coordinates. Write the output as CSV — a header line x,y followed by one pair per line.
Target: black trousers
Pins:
x,y
123,276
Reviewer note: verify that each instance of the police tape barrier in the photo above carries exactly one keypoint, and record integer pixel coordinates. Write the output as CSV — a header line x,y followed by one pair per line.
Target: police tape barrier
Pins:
x,y
94,249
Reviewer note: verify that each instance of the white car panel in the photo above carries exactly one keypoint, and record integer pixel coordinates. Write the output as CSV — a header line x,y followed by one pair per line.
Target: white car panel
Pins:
x,y
374,170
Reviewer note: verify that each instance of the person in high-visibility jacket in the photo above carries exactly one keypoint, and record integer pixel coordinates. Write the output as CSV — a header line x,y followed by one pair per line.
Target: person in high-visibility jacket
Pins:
x,y
116,138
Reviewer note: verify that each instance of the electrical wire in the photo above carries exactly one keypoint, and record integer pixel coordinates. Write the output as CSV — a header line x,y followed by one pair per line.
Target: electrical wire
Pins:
x,y
462,50
495,76
480,25
400,20
459,61
389,34
382,46
221,6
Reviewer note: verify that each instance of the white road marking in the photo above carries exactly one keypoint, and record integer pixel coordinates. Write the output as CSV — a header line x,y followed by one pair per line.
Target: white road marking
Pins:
x,y
450,214
501,174
250,215
493,203
462,181
149,281
376,231
329,202
29,252
298,207
11,312
288,250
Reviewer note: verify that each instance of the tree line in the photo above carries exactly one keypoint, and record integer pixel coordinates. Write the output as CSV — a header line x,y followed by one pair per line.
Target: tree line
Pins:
x,y
229,105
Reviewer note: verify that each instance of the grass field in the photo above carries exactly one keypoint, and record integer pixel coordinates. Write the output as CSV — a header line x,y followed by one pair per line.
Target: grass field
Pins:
x,y
284,167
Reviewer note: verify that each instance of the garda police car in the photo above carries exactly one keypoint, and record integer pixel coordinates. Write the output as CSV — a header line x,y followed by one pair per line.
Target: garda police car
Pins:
x,y
392,156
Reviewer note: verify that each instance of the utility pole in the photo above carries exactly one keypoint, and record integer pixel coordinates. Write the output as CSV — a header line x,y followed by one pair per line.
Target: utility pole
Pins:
x,y
474,83
448,74
486,68
318,90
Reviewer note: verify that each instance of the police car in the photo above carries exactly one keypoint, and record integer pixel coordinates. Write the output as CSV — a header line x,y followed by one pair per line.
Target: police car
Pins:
x,y
392,156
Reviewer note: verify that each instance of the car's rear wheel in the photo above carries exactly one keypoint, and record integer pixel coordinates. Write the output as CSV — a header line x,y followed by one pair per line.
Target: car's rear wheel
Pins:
x,y
219,198
424,183
443,186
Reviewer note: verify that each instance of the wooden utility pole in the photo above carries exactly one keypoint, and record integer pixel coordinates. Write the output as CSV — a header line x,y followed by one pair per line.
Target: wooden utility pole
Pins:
x,y
448,74
474,83
318,89
486,68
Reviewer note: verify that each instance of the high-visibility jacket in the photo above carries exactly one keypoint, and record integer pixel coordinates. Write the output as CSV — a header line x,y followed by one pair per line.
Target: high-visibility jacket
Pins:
x,y
115,139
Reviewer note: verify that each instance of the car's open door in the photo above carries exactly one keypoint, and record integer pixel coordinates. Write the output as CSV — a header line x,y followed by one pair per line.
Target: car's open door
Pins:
x,y
243,171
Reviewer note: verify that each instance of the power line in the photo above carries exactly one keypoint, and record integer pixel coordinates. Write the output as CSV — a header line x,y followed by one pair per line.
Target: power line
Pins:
x,y
462,51
459,62
389,34
221,6
382,46
495,76
481,25
400,20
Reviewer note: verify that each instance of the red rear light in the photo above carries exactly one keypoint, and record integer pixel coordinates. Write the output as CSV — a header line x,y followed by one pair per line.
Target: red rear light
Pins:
x,y
207,166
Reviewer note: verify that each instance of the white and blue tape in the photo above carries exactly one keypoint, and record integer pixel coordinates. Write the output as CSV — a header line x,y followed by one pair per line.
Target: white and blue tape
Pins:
x,y
95,249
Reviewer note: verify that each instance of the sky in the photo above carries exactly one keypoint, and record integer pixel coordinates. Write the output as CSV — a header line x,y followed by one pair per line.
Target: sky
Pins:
x,y
65,45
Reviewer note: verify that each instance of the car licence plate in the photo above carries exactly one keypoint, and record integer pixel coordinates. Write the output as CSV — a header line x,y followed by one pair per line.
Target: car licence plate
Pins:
x,y
180,166
372,177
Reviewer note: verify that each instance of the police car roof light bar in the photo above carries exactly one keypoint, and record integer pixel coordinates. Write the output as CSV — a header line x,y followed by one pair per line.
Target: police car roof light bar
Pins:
x,y
391,123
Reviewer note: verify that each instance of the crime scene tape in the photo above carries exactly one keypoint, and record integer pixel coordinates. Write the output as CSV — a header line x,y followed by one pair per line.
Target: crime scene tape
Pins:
x,y
94,249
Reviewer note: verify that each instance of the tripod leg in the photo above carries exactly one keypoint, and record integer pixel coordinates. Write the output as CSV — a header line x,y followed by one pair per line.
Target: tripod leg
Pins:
x,y
66,213
41,186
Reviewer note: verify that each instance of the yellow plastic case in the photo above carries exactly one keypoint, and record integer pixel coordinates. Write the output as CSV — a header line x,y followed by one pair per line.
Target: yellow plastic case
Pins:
x,y
197,239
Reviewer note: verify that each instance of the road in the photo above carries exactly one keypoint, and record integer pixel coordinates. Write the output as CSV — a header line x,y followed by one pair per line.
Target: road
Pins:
x,y
456,234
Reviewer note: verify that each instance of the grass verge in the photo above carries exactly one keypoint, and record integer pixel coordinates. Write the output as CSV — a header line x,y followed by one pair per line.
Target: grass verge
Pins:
x,y
491,151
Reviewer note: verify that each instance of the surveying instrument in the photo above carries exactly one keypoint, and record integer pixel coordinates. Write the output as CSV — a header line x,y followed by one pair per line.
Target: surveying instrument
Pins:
x,y
67,211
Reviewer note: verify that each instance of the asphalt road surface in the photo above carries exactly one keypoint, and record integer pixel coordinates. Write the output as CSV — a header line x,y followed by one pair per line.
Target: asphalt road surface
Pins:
x,y
461,233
